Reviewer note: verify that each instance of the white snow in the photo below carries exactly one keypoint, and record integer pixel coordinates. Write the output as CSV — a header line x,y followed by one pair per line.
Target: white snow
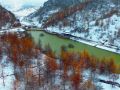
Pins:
x,y
12,30
7,69
25,12
107,86
86,76
14,5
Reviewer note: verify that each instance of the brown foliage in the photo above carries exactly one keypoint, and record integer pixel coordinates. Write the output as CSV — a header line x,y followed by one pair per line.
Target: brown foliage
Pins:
x,y
88,85
76,79
86,58
51,64
19,48
111,66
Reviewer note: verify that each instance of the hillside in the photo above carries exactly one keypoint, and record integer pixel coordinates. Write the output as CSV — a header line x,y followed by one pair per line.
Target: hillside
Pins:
x,y
97,21
52,6
6,18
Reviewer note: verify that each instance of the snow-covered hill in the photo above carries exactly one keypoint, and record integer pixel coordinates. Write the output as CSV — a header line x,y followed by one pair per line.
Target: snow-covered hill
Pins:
x,y
24,12
14,5
96,21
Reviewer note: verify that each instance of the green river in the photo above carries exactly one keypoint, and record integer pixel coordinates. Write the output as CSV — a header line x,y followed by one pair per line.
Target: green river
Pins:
x,y
56,42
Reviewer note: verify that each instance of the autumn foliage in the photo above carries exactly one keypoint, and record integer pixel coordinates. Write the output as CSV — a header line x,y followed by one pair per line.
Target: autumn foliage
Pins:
x,y
68,66
18,49
76,79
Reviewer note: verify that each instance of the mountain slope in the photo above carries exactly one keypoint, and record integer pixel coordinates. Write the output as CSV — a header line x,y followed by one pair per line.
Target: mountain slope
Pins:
x,y
25,11
52,6
96,21
6,18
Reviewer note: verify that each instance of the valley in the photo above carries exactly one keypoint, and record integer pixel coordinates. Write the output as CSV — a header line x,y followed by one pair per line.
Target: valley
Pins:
x,y
57,42
60,45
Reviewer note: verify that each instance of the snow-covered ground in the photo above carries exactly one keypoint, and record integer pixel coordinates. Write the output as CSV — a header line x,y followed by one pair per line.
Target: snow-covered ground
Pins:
x,y
12,30
6,70
7,78
105,86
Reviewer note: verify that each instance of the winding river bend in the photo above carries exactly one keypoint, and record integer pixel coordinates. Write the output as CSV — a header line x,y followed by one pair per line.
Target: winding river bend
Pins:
x,y
56,42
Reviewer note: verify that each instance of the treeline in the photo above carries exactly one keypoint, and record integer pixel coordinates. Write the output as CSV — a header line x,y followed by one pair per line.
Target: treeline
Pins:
x,y
71,66
86,61
61,15
34,70
18,47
